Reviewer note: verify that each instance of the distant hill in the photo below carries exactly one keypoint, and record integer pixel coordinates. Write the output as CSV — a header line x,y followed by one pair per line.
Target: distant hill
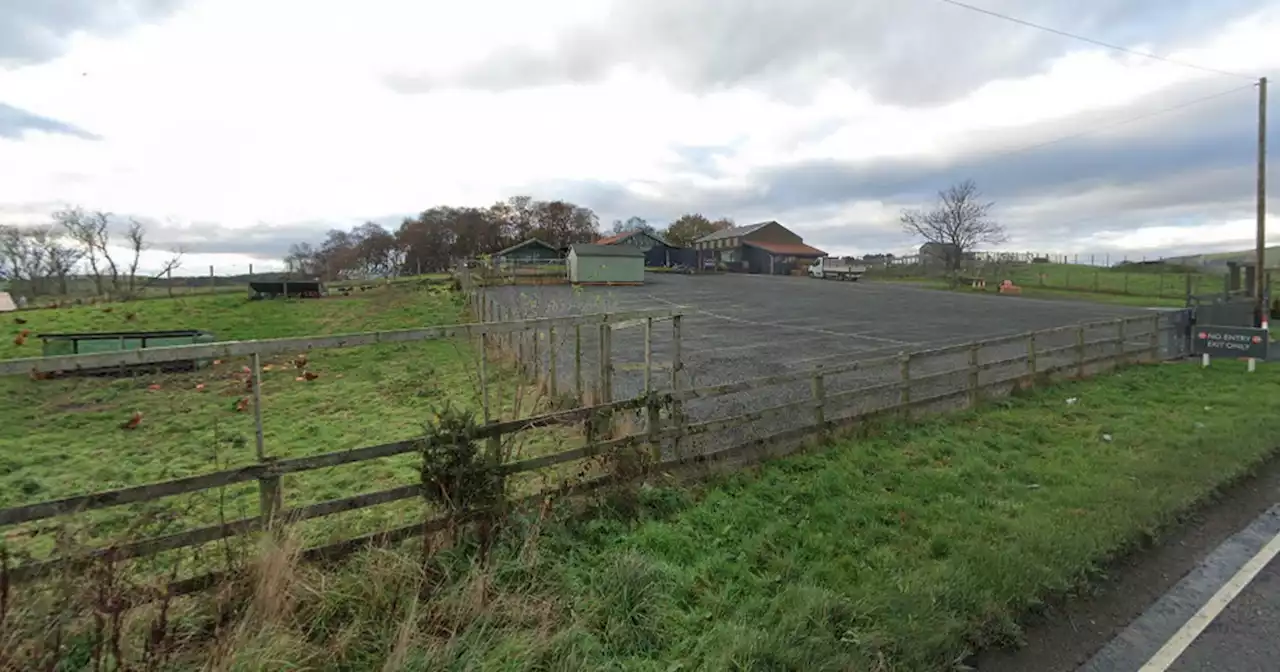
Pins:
x,y
1220,259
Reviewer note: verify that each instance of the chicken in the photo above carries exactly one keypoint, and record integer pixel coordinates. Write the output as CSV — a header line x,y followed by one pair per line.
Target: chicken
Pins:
x,y
133,421
310,375
130,316
108,309
24,333
19,320
300,361
242,404
19,340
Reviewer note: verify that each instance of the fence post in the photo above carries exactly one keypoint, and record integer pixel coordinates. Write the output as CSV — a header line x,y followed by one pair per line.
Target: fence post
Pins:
x,y
552,384
602,366
677,365
1155,337
270,499
819,399
1126,283
904,369
1080,352
577,360
1031,353
536,338
973,373
484,374
1123,349
648,355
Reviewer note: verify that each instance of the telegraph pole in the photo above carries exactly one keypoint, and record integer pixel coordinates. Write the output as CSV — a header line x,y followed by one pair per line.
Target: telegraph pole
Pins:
x,y
1260,282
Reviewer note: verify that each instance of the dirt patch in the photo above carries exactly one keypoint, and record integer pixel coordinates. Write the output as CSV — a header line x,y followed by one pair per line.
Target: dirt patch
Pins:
x,y
1070,631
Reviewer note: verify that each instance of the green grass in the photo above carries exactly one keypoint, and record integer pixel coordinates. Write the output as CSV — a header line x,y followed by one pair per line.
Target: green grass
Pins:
x,y
905,550
62,437
1052,293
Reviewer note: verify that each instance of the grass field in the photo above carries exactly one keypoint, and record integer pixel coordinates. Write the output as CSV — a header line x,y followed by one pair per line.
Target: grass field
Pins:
x,y
906,549
1147,286
63,436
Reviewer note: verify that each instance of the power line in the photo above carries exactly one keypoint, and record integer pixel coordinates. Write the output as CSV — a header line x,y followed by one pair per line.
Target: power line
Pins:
x,y
1123,122
1090,40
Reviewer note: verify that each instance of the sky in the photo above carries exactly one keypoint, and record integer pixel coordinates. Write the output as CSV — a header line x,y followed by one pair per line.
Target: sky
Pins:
x,y
237,127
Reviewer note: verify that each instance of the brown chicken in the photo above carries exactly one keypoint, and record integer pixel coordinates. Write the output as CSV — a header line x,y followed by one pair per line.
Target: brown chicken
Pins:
x,y
133,421
242,404
310,375
24,333
300,361
19,340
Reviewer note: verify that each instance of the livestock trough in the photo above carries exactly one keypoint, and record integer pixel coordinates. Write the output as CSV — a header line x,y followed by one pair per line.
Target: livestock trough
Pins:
x,y
57,345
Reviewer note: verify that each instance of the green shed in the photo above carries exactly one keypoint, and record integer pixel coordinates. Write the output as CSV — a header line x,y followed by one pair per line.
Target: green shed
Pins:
x,y
606,265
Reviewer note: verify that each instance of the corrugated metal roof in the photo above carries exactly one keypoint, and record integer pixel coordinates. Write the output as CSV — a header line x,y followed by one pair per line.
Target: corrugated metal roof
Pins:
x,y
589,250
789,249
735,231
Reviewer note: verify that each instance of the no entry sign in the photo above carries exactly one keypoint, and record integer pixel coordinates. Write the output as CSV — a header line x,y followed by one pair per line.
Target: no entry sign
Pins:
x,y
1230,341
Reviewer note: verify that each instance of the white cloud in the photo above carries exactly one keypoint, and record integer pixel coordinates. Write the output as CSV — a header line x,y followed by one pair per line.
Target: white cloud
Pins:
x,y
249,113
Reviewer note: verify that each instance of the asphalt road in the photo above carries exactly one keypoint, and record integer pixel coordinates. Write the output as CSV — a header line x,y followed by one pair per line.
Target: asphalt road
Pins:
x,y
736,327
1245,637
1243,634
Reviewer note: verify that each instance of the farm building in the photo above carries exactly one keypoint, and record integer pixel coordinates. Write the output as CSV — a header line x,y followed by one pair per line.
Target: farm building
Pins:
x,y
531,251
606,265
657,251
767,247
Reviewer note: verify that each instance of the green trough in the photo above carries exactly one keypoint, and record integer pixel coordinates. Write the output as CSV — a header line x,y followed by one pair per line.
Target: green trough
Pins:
x,y
57,345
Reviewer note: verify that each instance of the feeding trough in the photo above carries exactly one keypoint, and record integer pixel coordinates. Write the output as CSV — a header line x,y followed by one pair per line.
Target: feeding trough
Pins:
x,y
275,289
57,345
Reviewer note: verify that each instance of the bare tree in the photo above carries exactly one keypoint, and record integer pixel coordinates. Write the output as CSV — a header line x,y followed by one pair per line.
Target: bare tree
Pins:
x,y
23,258
92,232
89,231
958,223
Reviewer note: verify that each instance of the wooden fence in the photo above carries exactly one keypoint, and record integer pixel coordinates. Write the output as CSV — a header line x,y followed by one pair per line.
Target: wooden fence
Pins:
x,y
987,368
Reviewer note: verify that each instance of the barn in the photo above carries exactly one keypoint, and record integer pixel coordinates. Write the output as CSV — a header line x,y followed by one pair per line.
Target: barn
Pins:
x,y
606,265
657,251
531,251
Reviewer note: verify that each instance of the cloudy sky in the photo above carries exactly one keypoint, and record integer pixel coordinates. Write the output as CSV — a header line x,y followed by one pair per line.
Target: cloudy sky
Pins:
x,y
240,126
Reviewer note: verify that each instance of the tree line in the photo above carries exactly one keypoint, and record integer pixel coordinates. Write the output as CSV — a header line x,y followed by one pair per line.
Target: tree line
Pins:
x,y
43,259
439,237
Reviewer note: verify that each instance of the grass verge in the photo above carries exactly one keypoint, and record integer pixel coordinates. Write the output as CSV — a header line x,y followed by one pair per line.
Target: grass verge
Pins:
x,y
905,549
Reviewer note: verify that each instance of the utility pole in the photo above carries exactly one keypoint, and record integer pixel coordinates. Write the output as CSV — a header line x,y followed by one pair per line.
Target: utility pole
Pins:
x,y
1260,282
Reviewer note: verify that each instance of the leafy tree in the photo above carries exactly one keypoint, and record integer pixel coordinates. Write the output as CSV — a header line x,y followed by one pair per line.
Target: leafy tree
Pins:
x,y
688,228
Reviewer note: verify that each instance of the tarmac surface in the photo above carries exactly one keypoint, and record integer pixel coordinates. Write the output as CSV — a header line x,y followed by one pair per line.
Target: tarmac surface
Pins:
x,y
736,327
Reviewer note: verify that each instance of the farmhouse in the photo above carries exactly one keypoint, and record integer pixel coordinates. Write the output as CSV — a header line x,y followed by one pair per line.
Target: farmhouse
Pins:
x,y
531,251
767,247
657,251
606,265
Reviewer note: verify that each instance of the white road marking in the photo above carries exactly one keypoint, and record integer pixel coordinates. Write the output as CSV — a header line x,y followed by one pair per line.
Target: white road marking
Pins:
x,y
1187,634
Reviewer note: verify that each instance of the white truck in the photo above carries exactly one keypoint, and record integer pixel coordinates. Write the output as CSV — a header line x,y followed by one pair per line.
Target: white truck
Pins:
x,y
828,268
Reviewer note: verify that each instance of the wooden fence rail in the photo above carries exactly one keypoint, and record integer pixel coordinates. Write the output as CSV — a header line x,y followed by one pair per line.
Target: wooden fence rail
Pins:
x,y
819,406
275,346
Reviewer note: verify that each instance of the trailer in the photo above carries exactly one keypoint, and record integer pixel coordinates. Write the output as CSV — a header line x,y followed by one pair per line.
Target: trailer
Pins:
x,y
828,268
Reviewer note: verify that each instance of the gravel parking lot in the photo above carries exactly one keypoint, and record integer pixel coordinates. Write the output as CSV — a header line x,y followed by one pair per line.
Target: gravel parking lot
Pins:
x,y
736,327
